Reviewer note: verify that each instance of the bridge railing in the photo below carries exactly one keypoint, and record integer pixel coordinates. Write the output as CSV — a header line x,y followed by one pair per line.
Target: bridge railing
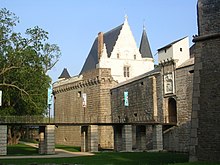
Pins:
x,y
80,119
25,119
77,119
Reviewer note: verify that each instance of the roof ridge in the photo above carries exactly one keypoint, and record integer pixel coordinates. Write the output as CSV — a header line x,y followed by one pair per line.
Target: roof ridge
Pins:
x,y
114,29
170,44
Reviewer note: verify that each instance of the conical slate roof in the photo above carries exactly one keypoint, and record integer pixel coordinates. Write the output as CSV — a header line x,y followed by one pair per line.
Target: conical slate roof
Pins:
x,y
145,46
110,39
65,74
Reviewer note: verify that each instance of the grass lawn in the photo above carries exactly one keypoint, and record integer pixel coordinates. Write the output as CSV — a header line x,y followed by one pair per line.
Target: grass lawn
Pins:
x,y
111,158
20,150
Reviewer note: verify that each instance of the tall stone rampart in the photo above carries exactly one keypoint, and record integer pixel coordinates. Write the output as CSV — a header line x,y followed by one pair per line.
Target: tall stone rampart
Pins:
x,y
178,138
205,132
69,107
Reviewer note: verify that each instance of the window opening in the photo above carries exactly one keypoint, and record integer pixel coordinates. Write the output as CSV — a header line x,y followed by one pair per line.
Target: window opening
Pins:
x,y
126,71
118,55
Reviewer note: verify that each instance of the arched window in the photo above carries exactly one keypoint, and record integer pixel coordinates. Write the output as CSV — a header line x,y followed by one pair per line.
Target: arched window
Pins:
x,y
172,110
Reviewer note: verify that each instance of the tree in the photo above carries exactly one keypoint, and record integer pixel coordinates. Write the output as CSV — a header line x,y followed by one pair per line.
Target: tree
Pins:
x,y
24,62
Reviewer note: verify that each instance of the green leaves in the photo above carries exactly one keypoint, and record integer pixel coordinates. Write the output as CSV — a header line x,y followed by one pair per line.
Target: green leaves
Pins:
x,y
8,20
37,37
24,62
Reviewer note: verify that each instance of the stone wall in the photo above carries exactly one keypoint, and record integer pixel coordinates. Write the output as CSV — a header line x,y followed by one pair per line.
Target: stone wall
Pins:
x,y
177,138
69,106
205,132
149,101
140,100
145,102
3,139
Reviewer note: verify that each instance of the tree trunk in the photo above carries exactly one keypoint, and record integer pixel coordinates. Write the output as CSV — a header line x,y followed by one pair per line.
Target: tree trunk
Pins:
x,y
14,134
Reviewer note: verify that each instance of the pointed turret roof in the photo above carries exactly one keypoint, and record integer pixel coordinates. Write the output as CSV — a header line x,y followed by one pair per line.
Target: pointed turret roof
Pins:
x,y
65,74
110,39
145,46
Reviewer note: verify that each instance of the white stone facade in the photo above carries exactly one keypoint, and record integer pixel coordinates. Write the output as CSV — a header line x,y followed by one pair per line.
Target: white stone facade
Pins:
x,y
125,55
178,51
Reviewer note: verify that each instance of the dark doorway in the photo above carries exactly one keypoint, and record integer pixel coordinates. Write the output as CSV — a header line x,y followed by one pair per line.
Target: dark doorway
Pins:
x,y
172,111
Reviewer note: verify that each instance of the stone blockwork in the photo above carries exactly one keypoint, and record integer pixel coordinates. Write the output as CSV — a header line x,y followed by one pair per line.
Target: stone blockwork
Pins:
x,y
41,144
68,95
157,137
46,139
205,132
84,138
50,139
144,104
141,138
150,101
93,138
46,143
118,137
178,138
127,138
3,139
140,99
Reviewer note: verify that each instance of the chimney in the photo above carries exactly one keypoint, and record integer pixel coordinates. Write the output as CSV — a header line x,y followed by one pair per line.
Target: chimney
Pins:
x,y
100,44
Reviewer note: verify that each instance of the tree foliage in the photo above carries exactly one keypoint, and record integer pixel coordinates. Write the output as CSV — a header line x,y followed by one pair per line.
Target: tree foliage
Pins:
x,y
24,62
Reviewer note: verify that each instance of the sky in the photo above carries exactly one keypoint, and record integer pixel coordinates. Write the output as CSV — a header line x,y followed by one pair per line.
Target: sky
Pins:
x,y
74,24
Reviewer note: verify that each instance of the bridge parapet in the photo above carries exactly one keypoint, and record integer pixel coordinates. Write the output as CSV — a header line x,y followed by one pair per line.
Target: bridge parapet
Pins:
x,y
81,120
38,120
24,119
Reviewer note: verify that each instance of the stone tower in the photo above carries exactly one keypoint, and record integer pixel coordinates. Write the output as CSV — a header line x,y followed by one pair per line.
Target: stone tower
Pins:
x,y
205,131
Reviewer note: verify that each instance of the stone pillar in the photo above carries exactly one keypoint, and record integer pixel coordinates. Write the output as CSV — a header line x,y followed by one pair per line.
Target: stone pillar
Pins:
x,y
134,137
155,108
117,138
157,137
149,137
93,138
141,137
41,145
3,139
127,138
50,139
84,139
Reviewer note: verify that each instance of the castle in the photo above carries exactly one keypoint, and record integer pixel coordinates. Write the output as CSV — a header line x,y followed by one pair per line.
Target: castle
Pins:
x,y
113,58
115,65
161,108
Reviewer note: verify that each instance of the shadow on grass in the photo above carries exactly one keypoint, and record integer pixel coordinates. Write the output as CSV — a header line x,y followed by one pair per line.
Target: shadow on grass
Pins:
x,y
21,150
100,158
113,158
